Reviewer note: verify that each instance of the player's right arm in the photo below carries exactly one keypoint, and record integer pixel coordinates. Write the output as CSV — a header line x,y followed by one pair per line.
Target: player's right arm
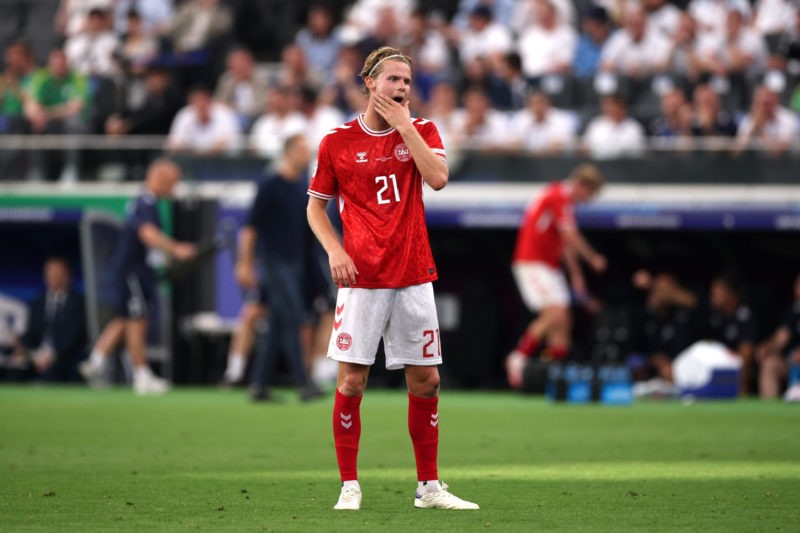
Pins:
x,y
343,269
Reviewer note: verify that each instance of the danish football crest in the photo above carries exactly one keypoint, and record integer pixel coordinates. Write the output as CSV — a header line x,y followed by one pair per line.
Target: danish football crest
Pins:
x,y
402,153
344,341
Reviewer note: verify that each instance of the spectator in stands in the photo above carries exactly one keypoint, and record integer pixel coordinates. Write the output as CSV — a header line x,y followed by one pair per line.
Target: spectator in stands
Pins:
x,y
787,50
635,50
502,11
57,103
199,25
476,73
14,81
388,29
320,118
662,16
477,124
280,122
526,13
711,15
276,226
55,338
675,118
781,350
665,327
428,49
596,29
508,88
154,15
708,118
768,123
154,114
483,37
683,60
13,323
548,47
242,88
92,51
141,243
138,45
740,49
614,133
71,18
364,16
294,70
731,322
541,128
58,97
204,126
319,40
443,111
345,92
773,17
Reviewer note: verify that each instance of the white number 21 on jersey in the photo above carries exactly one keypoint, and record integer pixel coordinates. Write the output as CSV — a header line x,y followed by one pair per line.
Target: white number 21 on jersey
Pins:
x,y
384,181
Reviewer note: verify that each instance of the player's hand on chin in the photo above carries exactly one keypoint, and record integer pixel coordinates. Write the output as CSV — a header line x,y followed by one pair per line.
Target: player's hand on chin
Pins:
x,y
394,113
343,269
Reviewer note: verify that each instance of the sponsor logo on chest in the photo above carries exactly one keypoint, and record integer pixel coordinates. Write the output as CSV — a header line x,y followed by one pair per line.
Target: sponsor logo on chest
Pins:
x,y
400,153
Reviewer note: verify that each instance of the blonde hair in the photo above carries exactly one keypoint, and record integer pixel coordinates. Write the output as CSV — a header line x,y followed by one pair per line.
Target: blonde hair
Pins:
x,y
373,65
588,175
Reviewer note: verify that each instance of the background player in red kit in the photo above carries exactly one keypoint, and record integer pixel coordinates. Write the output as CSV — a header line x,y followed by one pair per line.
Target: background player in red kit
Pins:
x,y
548,234
375,167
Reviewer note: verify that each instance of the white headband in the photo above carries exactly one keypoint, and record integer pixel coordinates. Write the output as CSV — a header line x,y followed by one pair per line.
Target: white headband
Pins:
x,y
382,60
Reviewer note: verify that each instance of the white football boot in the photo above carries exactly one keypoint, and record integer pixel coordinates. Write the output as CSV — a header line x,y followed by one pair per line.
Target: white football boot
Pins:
x,y
349,499
441,499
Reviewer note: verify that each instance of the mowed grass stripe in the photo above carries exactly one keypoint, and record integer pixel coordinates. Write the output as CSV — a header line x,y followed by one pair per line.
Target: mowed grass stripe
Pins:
x,y
598,471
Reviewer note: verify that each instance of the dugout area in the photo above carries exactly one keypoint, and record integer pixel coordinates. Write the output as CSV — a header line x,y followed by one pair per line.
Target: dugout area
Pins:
x,y
481,314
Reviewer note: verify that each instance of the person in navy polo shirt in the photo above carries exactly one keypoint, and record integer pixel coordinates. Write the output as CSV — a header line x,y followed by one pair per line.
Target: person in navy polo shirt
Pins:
x,y
141,247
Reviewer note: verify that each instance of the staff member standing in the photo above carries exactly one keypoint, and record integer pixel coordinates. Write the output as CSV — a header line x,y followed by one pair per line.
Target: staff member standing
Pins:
x,y
140,247
276,227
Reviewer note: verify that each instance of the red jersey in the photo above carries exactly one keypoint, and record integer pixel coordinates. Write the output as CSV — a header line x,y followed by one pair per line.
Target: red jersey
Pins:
x,y
539,237
379,189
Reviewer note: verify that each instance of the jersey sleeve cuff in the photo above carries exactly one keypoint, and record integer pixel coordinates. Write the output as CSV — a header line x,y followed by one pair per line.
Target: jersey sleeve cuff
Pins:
x,y
321,196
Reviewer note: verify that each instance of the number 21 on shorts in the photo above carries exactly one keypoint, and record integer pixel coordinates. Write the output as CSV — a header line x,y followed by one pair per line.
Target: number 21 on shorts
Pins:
x,y
432,336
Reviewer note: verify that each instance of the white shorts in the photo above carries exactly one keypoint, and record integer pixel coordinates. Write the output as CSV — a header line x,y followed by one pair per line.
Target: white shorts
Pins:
x,y
405,318
540,285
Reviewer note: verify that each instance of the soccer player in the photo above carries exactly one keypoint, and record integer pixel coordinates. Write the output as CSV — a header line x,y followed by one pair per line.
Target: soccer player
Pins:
x,y
136,283
547,236
375,166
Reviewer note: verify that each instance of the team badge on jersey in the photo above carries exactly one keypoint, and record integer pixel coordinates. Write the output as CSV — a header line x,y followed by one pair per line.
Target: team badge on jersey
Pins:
x,y
344,341
402,153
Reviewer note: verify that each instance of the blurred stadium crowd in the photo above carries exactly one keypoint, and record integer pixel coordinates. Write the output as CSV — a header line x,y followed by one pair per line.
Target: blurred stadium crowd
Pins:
x,y
239,76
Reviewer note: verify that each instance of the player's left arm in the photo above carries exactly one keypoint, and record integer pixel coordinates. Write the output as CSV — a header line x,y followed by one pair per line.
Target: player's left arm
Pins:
x,y
432,167
574,238
575,273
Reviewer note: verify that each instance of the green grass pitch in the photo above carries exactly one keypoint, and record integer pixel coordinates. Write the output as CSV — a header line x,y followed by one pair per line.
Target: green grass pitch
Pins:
x,y
209,460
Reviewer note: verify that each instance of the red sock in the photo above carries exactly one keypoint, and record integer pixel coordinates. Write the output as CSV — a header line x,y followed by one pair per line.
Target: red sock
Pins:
x,y
346,433
423,426
558,352
527,344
